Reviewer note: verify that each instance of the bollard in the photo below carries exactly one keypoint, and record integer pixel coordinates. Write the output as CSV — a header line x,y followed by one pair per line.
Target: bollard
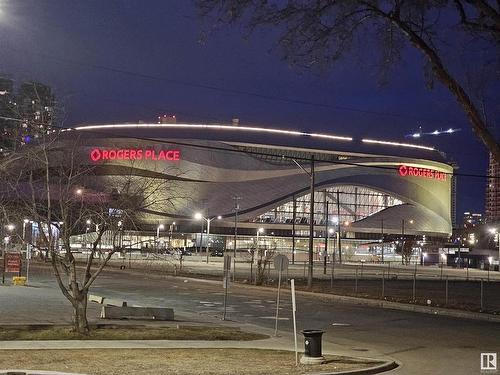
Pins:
x,y
312,347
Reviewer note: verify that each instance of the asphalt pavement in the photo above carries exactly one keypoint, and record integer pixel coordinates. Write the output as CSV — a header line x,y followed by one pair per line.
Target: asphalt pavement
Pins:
x,y
421,343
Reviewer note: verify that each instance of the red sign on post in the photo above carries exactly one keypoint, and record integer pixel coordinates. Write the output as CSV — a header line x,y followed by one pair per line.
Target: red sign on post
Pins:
x,y
13,262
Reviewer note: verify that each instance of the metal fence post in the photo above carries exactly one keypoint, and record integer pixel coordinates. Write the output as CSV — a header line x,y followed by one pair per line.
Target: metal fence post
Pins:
x,y
356,282
482,295
333,274
446,292
383,284
234,269
414,284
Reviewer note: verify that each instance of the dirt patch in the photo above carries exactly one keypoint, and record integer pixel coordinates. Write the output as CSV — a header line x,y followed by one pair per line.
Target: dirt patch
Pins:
x,y
172,361
130,333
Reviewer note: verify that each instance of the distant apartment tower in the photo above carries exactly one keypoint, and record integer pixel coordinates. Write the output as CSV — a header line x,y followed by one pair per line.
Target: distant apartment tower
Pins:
x,y
36,108
7,112
471,220
453,203
493,192
24,115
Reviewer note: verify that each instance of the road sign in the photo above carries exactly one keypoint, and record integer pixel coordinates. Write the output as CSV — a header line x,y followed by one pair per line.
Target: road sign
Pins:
x,y
13,262
281,262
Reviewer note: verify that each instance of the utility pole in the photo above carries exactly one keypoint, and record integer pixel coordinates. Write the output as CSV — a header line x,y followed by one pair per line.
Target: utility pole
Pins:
x,y
294,216
382,237
339,244
311,219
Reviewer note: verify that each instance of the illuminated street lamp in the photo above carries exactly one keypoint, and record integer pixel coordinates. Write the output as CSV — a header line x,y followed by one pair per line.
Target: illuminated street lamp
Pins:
x,y
160,226
199,216
494,231
259,231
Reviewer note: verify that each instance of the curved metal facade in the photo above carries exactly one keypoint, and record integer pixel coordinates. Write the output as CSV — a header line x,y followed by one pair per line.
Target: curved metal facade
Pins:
x,y
209,173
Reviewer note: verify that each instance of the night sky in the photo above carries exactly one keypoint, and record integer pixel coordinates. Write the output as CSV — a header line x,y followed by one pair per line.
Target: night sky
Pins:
x,y
71,45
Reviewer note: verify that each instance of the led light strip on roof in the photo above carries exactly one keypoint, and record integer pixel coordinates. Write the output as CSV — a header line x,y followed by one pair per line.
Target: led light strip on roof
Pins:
x,y
223,127
387,143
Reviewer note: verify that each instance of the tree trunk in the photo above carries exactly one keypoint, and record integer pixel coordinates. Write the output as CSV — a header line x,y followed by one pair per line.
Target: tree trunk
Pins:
x,y
80,323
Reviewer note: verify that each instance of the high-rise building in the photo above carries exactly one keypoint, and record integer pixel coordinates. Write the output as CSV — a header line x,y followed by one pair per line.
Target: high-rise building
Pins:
x,y
453,203
24,115
36,108
7,112
493,192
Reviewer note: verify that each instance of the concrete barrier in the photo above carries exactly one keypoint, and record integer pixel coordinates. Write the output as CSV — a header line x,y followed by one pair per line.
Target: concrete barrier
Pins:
x,y
137,312
114,302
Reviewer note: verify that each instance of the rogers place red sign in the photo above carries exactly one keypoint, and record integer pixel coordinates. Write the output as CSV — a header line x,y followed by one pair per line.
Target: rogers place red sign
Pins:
x,y
406,170
97,154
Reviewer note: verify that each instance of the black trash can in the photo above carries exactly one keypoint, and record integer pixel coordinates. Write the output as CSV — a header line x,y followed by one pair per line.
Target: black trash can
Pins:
x,y
312,346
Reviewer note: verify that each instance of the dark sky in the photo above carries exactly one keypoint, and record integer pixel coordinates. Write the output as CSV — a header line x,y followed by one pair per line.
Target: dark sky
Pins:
x,y
65,44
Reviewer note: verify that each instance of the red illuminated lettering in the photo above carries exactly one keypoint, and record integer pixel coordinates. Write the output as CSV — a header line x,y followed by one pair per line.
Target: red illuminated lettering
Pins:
x,y
97,154
405,170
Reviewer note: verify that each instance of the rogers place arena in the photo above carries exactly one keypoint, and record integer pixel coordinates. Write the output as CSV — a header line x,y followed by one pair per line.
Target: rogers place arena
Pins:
x,y
369,190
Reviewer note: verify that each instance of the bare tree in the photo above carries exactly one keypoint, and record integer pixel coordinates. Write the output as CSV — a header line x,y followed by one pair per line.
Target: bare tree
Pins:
x,y
53,184
407,250
264,257
444,32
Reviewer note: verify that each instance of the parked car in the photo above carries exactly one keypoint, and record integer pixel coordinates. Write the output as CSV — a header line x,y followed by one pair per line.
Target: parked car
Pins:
x,y
185,252
216,253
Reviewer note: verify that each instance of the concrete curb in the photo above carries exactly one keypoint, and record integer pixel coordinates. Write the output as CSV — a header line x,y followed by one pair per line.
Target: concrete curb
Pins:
x,y
386,366
35,372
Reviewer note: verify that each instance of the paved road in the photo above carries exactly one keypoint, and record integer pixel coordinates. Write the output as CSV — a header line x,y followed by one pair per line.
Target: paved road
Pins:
x,y
423,344
299,269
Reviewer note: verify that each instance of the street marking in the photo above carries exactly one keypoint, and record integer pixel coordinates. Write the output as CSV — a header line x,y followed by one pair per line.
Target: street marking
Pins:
x,y
272,317
340,324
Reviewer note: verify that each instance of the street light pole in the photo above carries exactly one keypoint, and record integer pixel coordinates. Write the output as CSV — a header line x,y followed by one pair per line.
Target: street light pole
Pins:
x,y
236,208
160,226
311,226
326,237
